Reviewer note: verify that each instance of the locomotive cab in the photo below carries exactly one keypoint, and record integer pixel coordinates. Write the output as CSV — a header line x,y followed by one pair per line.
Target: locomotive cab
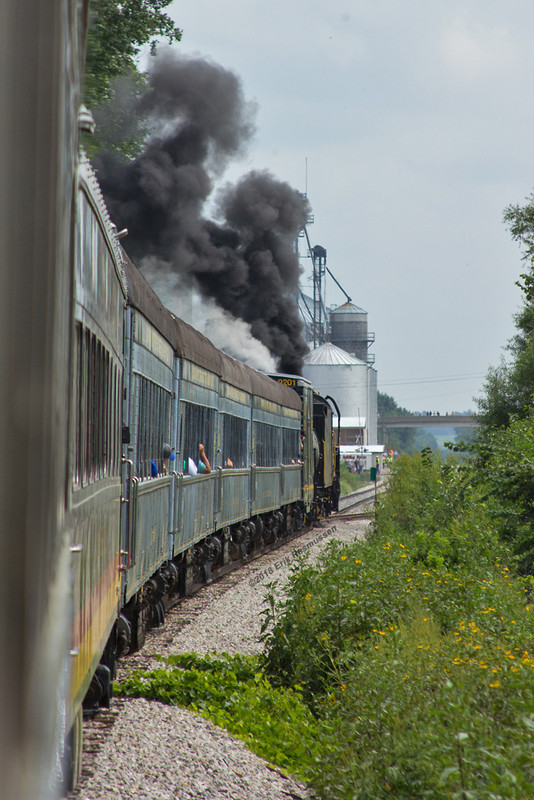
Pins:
x,y
326,475
319,448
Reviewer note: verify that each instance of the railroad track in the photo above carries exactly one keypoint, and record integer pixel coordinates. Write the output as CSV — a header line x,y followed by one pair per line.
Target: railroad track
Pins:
x,y
355,501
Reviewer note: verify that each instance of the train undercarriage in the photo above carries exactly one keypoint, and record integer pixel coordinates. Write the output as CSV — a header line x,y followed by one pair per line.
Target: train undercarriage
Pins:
x,y
198,566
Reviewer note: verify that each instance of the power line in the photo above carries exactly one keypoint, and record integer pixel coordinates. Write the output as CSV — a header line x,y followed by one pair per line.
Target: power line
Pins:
x,y
417,381
420,397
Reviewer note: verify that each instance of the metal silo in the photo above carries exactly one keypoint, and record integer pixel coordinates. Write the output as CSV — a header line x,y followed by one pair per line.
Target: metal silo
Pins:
x,y
348,326
351,382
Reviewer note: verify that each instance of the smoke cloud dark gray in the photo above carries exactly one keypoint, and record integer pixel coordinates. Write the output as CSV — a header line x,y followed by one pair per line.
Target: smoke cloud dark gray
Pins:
x,y
246,261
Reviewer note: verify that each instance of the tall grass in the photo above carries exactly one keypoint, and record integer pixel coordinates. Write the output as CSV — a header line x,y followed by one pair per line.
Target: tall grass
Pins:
x,y
415,649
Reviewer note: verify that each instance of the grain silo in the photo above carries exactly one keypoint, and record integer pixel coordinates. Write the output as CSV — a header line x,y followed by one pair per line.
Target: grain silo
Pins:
x,y
348,330
352,383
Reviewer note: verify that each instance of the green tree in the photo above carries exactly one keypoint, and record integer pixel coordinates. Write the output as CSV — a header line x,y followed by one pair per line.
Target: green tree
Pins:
x,y
387,404
520,222
508,478
117,31
509,388
113,81
400,439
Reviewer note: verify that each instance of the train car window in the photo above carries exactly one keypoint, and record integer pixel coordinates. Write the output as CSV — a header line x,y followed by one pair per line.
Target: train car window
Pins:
x,y
154,424
114,423
107,432
89,407
102,395
96,423
78,422
235,441
197,425
266,445
290,446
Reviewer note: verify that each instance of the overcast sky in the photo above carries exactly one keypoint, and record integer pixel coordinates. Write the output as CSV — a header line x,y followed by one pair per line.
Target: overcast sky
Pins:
x,y
415,121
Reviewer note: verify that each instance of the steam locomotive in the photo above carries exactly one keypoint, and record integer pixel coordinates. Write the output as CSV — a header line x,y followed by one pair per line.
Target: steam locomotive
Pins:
x,y
110,396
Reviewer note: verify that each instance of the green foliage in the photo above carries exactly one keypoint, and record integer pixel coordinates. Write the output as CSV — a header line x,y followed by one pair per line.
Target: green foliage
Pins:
x,y
520,222
117,31
387,404
508,391
400,439
509,388
414,647
116,34
232,692
423,715
119,126
507,475
424,438
504,447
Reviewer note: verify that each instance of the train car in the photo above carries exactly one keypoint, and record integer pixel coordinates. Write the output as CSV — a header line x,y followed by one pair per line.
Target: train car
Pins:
x,y
181,392
41,46
94,486
326,474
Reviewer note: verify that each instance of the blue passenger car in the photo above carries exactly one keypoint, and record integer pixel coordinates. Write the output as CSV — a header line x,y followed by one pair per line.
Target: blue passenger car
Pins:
x,y
180,524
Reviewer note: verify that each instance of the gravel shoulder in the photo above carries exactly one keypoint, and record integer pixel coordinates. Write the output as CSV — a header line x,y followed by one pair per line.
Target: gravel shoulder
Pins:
x,y
141,749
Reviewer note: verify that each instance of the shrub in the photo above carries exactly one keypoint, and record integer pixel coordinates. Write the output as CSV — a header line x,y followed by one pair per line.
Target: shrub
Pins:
x,y
414,648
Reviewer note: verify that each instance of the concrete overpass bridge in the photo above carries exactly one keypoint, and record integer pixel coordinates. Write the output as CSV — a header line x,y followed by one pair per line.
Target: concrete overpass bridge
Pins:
x,y
427,421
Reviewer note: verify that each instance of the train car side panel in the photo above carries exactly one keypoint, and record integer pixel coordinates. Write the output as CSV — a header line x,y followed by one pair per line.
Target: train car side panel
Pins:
x,y
95,486
195,495
194,509
233,489
150,378
233,496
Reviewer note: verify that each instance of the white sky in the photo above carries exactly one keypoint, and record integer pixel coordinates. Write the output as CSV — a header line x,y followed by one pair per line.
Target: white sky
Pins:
x,y
415,120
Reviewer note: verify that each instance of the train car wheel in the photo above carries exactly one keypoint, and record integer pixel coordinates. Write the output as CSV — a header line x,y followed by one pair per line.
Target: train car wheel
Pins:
x,y
71,762
139,628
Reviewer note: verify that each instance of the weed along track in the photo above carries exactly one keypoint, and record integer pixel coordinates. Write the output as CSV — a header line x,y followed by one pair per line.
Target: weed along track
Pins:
x,y
174,753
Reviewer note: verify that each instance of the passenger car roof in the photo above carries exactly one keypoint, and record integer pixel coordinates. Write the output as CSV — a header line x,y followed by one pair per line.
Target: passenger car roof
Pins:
x,y
192,345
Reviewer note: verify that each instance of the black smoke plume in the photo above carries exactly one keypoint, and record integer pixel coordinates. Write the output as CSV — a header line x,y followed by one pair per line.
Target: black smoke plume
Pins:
x,y
247,262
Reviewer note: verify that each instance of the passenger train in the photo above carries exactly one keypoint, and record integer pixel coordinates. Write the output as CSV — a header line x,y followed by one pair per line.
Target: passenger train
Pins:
x,y
148,391
111,520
